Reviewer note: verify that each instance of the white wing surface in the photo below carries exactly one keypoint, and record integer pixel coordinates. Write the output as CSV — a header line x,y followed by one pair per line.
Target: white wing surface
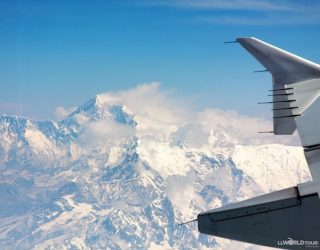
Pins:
x,y
296,91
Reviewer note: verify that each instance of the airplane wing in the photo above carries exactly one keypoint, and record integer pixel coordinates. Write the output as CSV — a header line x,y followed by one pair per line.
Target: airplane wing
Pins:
x,y
288,218
295,91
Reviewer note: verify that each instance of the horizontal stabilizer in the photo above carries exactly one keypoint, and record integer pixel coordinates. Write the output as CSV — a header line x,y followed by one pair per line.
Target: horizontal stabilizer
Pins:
x,y
272,220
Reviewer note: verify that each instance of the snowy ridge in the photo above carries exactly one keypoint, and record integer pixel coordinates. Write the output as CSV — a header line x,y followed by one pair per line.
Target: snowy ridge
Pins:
x,y
124,169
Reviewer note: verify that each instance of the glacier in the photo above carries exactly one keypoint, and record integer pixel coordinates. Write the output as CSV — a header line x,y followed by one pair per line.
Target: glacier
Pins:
x,y
124,169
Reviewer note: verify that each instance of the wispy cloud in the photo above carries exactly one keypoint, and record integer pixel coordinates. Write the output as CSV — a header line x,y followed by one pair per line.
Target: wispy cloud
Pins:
x,y
61,112
247,12
262,5
260,21
162,118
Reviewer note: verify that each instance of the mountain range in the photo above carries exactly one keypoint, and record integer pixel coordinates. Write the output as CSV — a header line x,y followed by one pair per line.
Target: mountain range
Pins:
x,y
112,175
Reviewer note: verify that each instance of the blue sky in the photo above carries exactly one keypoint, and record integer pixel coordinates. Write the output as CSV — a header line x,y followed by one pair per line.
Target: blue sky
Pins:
x,y
61,53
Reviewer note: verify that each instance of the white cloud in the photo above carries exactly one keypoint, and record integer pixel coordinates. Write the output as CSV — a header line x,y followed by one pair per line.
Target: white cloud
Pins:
x,y
239,129
104,132
155,110
157,114
61,112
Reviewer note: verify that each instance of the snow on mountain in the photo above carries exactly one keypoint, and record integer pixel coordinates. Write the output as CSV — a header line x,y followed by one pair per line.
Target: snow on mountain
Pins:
x,y
123,169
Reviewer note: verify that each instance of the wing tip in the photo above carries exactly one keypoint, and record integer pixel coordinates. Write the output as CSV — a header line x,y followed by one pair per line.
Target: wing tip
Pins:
x,y
241,39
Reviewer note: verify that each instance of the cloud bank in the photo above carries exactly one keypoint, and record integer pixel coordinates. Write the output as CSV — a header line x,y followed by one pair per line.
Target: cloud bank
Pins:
x,y
159,116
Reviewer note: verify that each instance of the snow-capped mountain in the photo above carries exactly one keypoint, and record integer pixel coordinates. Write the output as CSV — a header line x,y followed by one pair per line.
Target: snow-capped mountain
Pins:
x,y
122,174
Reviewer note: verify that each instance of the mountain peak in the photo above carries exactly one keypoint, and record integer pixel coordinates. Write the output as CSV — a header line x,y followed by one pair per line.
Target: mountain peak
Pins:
x,y
102,107
90,105
98,100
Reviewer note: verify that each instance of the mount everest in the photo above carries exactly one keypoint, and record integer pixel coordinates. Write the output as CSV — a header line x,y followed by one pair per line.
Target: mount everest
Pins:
x,y
125,168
